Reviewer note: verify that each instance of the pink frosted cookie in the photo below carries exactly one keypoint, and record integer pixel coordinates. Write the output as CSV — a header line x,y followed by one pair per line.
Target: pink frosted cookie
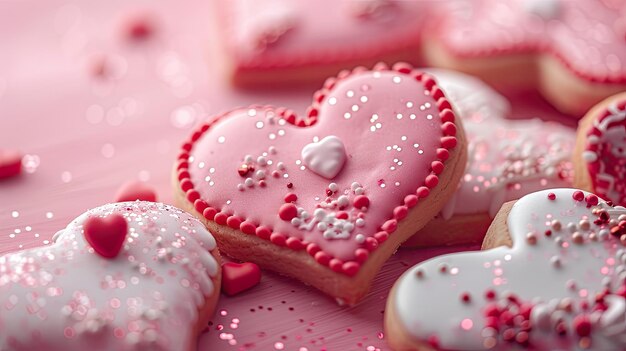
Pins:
x,y
277,42
558,286
600,157
574,52
326,197
507,159
124,276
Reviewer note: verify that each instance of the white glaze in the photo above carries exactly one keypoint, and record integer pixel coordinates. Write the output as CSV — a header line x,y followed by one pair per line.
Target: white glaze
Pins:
x,y
65,297
431,305
507,158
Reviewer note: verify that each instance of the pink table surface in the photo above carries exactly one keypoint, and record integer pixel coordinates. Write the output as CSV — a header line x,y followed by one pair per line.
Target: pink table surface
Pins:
x,y
84,136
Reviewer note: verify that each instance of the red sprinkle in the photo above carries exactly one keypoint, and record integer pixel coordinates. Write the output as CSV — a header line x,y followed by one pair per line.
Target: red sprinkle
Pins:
x,y
361,201
582,325
287,212
551,196
466,297
592,200
289,185
490,294
291,197
578,195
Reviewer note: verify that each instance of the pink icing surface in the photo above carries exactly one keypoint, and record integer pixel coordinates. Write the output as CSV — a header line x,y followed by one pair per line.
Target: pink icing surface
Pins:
x,y
391,129
589,36
309,32
66,297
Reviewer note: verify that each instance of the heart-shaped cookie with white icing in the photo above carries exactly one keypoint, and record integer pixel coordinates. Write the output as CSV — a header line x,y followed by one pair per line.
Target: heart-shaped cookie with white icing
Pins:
x,y
600,155
507,159
156,291
327,197
560,285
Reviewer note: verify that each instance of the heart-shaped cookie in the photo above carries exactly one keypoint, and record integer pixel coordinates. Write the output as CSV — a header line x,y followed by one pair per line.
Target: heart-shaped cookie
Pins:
x,y
157,294
600,156
507,159
243,174
560,286
285,42
573,52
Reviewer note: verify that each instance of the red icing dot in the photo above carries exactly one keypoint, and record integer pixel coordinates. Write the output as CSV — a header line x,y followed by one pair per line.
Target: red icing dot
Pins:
x,y
263,232
233,222
221,218
390,226
552,196
278,239
322,258
209,213
289,185
248,227
578,195
291,197
186,184
449,129
431,181
437,167
287,212
295,244
448,142
443,154
422,192
371,243
312,249
336,265
400,212
361,255
410,200
447,116
361,201
351,268
200,206
192,195
381,236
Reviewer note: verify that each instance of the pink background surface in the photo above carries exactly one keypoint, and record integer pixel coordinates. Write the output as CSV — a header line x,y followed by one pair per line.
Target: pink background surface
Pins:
x,y
84,136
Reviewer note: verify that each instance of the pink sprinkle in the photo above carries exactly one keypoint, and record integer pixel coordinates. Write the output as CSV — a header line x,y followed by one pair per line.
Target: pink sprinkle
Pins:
x,y
467,324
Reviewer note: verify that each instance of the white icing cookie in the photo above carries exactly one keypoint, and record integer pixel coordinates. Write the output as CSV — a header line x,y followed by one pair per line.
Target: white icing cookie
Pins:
x,y
507,159
560,285
153,292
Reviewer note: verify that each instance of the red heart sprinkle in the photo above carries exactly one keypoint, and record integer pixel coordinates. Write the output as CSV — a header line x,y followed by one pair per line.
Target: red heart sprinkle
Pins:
x,y
238,277
106,235
135,190
10,163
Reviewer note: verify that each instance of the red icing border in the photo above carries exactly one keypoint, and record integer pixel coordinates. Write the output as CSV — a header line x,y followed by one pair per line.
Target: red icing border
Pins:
x,y
349,268
594,167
